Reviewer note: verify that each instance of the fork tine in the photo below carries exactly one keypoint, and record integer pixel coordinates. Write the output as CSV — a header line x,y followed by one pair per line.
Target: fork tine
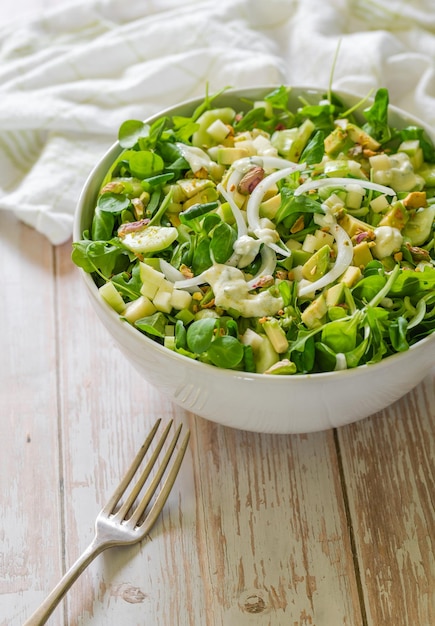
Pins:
x,y
126,480
168,483
129,501
142,505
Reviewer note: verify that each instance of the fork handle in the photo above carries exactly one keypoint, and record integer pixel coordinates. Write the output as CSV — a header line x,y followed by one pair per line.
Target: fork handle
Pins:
x,y
41,615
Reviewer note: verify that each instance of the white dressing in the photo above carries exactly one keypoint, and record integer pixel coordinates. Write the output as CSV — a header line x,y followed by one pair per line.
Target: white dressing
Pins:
x,y
231,291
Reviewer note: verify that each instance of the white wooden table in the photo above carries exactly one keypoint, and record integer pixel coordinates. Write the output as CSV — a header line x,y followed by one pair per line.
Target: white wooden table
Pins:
x,y
327,529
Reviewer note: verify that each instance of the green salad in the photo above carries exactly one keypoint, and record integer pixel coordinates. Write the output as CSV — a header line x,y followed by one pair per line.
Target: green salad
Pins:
x,y
270,240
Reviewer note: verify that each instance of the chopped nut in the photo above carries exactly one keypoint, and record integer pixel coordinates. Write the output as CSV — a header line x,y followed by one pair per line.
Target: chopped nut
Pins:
x,y
298,225
186,271
415,200
418,254
132,227
250,180
138,208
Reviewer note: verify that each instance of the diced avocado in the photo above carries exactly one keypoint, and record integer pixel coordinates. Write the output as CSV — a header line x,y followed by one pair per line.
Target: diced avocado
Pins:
x,y
276,335
352,225
191,186
269,208
415,200
337,141
351,276
362,254
300,257
111,295
396,217
317,264
266,355
419,226
358,135
228,155
334,295
315,312
209,194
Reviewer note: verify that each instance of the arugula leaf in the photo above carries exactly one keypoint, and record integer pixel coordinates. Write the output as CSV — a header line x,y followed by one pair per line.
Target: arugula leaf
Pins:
x,y
101,257
129,284
377,117
314,150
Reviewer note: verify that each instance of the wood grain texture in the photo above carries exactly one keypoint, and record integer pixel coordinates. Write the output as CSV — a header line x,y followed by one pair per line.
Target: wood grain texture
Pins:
x,y
389,465
29,461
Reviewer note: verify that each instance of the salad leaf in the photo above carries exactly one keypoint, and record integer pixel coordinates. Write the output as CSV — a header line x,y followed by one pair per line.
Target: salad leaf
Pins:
x,y
377,117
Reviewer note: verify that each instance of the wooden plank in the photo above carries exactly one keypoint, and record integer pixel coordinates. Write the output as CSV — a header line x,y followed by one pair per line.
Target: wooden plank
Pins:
x,y
389,464
272,531
30,558
107,410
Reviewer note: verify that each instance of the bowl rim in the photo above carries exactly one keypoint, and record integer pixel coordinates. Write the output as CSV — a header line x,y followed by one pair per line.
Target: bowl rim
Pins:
x,y
225,372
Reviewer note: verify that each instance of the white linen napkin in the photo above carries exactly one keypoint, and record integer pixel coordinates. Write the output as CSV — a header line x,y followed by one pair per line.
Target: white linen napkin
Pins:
x,y
71,76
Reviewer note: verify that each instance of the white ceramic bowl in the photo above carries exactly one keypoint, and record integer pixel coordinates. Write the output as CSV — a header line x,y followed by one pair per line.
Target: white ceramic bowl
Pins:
x,y
257,402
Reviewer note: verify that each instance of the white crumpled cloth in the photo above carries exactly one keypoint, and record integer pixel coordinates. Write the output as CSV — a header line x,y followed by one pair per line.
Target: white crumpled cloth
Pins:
x,y
71,76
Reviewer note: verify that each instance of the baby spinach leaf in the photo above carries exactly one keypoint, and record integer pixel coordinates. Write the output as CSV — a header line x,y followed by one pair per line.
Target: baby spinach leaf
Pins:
x,y
102,225
152,324
113,202
341,335
200,335
201,256
144,163
130,131
226,351
222,242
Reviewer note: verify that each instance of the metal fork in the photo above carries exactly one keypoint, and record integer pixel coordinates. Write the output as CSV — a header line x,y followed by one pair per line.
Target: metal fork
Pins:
x,y
127,522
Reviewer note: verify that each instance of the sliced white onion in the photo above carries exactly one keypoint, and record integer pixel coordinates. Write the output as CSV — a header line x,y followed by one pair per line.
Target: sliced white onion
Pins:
x,y
175,276
188,283
342,262
238,216
331,182
253,206
268,264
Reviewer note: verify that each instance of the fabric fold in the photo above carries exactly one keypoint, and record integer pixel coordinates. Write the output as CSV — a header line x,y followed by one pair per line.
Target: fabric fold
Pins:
x,y
70,77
